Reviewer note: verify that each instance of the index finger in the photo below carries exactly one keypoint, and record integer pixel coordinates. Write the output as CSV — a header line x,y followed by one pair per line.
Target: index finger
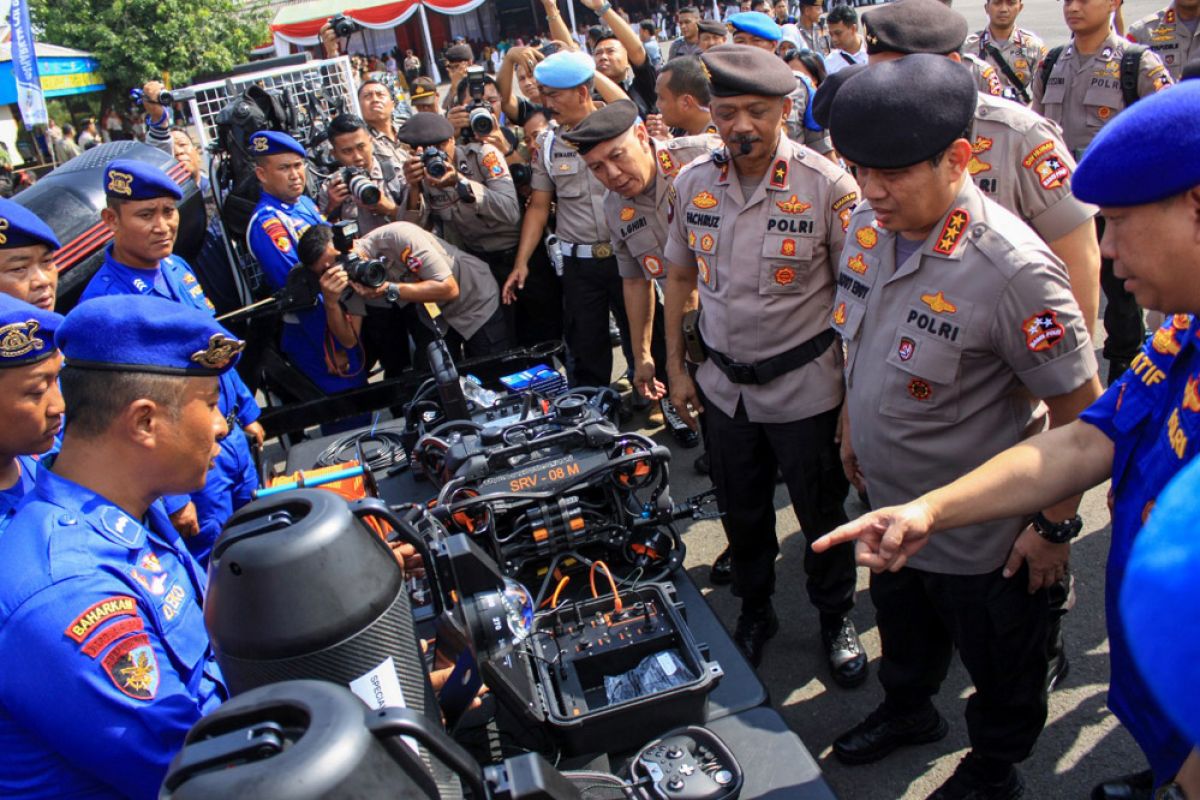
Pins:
x,y
851,531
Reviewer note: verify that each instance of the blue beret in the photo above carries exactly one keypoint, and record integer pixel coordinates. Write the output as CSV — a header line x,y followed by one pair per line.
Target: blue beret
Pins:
x,y
1135,159
269,143
565,69
1160,599
20,227
126,179
26,332
757,24
142,333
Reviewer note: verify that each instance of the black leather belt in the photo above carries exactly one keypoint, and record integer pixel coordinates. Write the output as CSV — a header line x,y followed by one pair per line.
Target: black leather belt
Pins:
x,y
769,369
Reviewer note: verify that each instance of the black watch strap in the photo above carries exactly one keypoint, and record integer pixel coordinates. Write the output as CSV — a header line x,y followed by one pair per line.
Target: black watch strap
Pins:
x,y
1057,532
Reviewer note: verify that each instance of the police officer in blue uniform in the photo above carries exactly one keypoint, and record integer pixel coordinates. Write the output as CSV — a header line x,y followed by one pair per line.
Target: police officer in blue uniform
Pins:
x,y
281,217
27,247
142,216
30,402
1141,432
106,662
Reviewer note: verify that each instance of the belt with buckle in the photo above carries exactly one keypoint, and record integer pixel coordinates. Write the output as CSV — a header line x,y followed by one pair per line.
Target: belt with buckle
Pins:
x,y
600,250
769,369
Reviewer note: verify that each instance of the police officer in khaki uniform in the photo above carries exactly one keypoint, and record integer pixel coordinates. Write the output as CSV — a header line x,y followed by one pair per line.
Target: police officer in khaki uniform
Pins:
x,y
638,172
754,230
378,107
1014,52
354,148
956,318
1172,33
1081,93
424,271
591,283
473,201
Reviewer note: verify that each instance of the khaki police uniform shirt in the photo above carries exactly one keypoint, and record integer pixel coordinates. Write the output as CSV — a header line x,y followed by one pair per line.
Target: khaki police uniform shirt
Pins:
x,y
493,222
396,189
579,195
1084,92
987,77
414,254
946,355
1021,162
766,273
639,224
395,150
815,40
1168,37
1023,52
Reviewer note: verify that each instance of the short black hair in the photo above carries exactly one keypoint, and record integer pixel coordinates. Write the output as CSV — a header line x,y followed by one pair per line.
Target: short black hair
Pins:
x,y
690,10
343,124
812,62
97,397
370,81
648,26
687,77
313,244
845,15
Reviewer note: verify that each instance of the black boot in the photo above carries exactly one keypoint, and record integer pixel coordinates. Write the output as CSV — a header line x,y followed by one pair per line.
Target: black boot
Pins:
x,y
847,659
721,573
754,628
1138,786
978,778
885,730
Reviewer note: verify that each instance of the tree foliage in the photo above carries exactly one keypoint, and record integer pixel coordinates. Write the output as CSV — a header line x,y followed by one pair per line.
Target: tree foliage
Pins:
x,y
138,40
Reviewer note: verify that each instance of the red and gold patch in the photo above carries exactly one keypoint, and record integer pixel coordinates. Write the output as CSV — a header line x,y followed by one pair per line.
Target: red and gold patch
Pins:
x,y
691,238
793,205
702,267
857,263
906,348
278,234
788,247
133,667
867,238
1051,172
97,613
704,200
844,216
111,633
666,163
784,276
1164,341
1104,112
779,174
938,303
920,390
952,232
1036,153
1043,331
839,314
493,164
707,242
1191,394
1181,321
627,213
845,200
981,145
653,265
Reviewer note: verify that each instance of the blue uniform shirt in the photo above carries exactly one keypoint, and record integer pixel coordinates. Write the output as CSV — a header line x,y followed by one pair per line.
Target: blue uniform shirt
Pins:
x,y
11,497
1152,415
232,480
106,660
273,235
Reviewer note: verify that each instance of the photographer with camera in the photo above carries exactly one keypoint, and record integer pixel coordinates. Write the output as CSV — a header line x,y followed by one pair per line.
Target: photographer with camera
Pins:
x,y
369,188
400,265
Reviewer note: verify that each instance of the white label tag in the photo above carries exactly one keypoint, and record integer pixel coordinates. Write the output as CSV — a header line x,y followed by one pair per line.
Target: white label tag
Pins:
x,y
667,663
380,688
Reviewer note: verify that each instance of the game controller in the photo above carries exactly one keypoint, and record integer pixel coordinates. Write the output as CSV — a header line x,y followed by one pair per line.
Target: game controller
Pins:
x,y
688,764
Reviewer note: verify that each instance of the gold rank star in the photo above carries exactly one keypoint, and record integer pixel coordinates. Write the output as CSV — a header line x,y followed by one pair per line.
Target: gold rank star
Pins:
x,y
780,173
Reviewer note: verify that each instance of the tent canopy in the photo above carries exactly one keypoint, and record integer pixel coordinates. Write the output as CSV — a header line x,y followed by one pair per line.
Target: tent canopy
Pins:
x,y
301,23
63,71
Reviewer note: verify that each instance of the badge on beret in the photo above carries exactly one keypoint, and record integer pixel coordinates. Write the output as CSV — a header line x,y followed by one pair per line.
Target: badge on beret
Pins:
x,y
793,205
260,144
857,263
1043,331
1191,394
3,230
19,338
220,351
120,183
133,667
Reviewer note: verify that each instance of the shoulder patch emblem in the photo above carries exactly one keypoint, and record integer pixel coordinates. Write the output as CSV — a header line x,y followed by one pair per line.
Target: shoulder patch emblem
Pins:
x,y
278,234
952,232
1051,172
92,617
133,667
844,200
492,163
1043,331
1032,157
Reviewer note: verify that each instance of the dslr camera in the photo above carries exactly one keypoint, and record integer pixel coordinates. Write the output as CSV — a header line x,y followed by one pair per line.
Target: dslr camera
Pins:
x,y
342,25
479,111
434,161
371,272
361,187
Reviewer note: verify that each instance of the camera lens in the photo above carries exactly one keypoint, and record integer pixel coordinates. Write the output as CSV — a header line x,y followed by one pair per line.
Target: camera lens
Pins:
x,y
361,187
434,161
481,121
370,273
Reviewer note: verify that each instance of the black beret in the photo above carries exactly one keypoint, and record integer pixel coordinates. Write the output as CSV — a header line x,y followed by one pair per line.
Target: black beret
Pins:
x,y
914,26
460,52
425,128
601,125
713,26
736,69
822,102
902,112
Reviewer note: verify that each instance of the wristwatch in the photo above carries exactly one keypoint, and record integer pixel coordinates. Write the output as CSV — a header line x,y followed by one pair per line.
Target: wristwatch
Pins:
x,y
392,294
1057,532
1172,791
